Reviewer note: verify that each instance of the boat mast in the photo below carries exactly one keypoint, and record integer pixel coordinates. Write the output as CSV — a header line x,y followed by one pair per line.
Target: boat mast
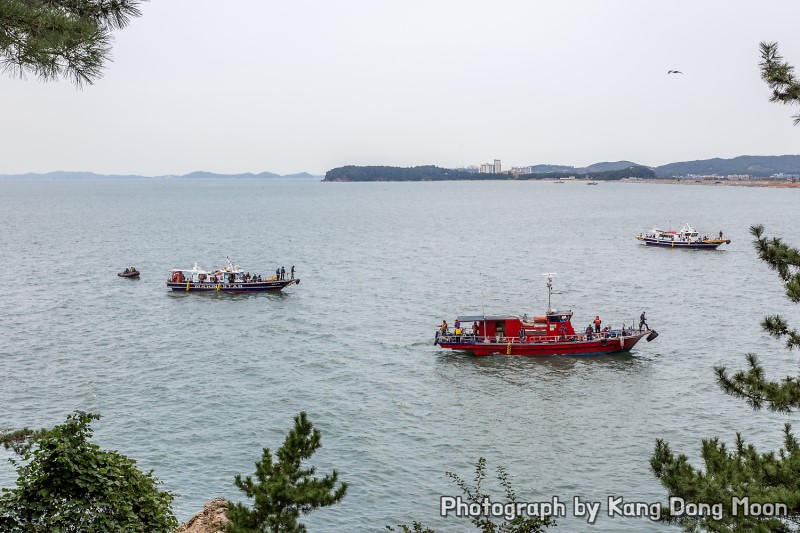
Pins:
x,y
549,289
483,306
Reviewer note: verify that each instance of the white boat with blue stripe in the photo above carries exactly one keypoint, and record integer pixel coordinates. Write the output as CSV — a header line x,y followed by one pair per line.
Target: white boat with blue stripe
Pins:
x,y
687,237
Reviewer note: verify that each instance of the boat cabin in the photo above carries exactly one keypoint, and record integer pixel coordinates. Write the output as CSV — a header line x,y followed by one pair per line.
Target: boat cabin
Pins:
x,y
544,328
199,275
686,233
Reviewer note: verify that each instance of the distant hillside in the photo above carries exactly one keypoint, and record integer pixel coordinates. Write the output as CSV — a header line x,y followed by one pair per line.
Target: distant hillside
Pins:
x,y
204,175
423,173
597,167
544,169
609,166
754,165
61,175
633,171
433,173
303,175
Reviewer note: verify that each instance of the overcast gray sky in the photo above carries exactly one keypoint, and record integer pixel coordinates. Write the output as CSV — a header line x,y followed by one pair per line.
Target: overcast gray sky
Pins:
x,y
291,86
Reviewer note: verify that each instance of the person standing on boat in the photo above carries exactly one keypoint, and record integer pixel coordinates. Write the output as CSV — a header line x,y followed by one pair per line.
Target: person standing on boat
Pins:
x,y
643,322
444,327
292,271
597,323
589,332
720,234
283,273
475,328
277,273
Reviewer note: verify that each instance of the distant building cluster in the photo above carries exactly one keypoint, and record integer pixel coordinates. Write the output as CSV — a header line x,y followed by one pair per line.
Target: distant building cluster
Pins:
x,y
497,168
717,177
741,177
492,168
521,170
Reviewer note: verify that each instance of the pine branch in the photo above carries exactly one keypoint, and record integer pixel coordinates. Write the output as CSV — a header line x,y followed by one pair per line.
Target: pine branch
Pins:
x,y
752,386
779,76
61,38
283,490
20,441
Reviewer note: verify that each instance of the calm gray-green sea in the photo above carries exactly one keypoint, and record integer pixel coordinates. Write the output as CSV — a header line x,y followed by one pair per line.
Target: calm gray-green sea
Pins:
x,y
193,386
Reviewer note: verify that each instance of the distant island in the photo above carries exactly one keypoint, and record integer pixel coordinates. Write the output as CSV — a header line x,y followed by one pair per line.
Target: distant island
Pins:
x,y
742,167
62,175
433,173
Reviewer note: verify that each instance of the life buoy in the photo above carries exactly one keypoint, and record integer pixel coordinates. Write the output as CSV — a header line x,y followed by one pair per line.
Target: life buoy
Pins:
x,y
603,341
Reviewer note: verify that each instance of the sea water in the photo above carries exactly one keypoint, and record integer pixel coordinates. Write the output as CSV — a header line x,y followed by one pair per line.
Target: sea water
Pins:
x,y
193,386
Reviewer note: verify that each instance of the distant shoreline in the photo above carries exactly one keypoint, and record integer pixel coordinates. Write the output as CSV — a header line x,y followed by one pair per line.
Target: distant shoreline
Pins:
x,y
719,183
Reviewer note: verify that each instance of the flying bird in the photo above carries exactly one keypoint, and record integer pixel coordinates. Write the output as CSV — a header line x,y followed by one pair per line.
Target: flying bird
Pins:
x,y
674,72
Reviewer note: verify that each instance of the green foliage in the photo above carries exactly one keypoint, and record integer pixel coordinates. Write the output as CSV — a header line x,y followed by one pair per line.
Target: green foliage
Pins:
x,y
635,171
738,473
20,441
779,75
752,384
283,490
421,173
55,38
743,472
432,173
68,484
785,260
415,527
474,494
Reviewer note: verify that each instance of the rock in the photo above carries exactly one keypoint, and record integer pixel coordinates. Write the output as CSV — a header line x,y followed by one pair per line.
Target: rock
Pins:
x,y
211,519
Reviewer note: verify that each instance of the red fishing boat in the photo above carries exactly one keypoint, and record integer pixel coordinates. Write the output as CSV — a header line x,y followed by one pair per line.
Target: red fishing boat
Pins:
x,y
549,334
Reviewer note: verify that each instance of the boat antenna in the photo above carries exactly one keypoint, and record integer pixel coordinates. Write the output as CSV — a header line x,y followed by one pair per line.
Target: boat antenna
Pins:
x,y
549,289
483,304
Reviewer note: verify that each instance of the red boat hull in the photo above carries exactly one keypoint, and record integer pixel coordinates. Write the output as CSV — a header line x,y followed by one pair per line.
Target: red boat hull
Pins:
x,y
479,346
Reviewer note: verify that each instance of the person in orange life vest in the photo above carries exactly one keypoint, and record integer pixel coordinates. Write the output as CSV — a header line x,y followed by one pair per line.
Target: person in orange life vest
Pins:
x,y
597,323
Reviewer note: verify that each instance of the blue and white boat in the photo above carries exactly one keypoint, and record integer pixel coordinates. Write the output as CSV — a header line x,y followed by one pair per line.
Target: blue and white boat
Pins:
x,y
687,237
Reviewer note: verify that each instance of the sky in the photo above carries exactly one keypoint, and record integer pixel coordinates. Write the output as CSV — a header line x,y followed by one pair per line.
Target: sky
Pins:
x,y
309,85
